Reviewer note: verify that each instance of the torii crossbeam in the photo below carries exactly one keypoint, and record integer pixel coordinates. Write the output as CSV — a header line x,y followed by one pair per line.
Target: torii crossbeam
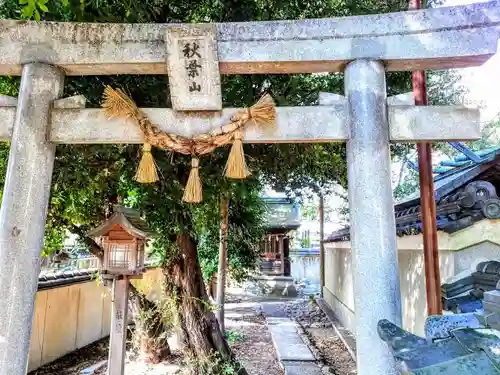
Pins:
x,y
362,47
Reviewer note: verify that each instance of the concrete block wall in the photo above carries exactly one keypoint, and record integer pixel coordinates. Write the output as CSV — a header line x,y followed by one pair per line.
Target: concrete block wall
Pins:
x,y
72,316
338,290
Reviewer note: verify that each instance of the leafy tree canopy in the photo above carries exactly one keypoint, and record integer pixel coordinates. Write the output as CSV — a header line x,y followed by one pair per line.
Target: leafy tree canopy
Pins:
x,y
88,178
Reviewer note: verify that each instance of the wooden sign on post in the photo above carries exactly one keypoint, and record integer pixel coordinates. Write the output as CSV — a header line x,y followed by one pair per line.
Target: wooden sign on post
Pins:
x,y
193,68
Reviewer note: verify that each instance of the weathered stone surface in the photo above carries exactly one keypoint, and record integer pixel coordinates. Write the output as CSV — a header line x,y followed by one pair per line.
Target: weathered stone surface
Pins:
x,y
193,67
442,326
287,341
408,98
77,101
466,351
421,122
373,235
294,124
8,101
23,212
475,363
491,306
301,368
492,296
489,319
427,39
329,98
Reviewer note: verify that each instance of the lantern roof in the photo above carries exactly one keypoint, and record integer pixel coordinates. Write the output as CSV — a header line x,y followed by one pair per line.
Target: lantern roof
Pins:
x,y
127,218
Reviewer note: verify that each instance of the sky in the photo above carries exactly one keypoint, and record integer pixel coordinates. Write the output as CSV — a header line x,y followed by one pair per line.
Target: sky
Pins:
x,y
483,82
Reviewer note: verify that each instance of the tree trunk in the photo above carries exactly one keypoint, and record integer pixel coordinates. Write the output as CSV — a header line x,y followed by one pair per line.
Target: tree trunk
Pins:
x,y
199,330
151,329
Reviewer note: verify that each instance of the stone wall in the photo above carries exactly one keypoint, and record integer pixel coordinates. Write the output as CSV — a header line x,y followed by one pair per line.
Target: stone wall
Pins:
x,y
338,291
72,316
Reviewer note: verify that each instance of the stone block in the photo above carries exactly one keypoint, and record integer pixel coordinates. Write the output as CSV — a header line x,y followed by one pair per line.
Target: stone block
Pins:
x,y
301,368
289,346
407,98
8,101
491,307
431,354
76,101
279,286
441,326
436,38
492,296
193,68
475,363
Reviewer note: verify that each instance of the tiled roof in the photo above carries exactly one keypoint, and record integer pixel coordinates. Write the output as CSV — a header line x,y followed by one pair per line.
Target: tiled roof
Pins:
x,y
60,278
458,185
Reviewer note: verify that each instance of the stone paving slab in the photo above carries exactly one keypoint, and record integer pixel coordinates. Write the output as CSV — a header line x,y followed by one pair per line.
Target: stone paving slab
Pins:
x,y
301,368
289,346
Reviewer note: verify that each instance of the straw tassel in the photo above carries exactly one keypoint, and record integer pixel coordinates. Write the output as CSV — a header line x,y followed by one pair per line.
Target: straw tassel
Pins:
x,y
193,191
146,172
236,166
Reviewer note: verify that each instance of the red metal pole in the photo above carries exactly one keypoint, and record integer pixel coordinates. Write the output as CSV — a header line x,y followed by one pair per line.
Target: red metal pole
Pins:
x,y
427,202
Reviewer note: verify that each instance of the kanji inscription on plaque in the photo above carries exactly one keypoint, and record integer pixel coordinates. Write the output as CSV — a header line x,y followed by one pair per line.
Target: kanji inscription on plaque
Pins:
x,y
193,68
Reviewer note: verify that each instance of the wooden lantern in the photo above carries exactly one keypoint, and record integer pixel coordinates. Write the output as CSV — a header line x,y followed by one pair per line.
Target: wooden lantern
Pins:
x,y
123,238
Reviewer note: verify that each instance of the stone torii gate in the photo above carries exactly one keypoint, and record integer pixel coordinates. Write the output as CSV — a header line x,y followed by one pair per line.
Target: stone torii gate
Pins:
x,y
362,47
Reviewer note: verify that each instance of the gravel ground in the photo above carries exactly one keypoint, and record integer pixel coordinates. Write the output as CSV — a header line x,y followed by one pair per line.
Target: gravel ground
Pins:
x,y
248,337
332,350
307,313
77,361
322,336
169,367
251,341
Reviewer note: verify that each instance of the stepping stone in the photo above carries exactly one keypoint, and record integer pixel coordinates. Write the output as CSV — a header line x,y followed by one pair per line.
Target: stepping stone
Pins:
x,y
273,309
289,346
301,368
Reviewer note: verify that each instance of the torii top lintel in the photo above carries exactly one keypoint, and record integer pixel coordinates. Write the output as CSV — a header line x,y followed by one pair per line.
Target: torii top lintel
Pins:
x,y
447,37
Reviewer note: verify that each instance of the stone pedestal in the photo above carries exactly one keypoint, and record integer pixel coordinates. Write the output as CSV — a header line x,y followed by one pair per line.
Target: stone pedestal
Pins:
x,y
279,286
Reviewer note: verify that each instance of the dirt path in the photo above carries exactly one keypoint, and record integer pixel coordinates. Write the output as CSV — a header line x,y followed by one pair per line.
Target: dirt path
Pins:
x,y
247,333
250,339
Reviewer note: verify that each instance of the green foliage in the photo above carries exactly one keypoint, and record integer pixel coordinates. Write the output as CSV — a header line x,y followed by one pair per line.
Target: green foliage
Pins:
x,y
234,337
212,365
246,228
33,8
489,136
408,185
87,179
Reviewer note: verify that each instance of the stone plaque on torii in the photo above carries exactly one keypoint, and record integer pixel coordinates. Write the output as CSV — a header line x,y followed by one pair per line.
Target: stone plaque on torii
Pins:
x,y
364,47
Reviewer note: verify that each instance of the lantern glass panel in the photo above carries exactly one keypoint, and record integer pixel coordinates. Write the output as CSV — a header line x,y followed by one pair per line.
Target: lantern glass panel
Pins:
x,y
119,255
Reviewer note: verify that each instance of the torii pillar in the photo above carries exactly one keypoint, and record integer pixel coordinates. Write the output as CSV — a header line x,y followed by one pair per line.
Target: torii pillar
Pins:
x,y
373,236
23,212
364,46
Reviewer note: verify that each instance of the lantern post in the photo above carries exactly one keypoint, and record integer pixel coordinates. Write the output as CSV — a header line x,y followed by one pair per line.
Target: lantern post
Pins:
x,y
123,238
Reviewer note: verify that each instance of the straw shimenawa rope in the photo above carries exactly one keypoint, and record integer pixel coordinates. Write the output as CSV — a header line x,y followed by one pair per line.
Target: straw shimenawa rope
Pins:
x,y
263,113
